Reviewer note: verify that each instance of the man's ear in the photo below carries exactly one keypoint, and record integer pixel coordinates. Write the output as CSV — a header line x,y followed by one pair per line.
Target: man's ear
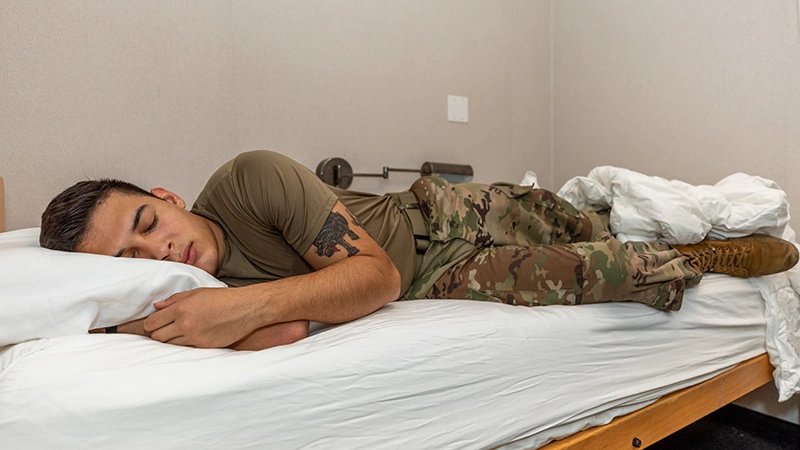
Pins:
x,y
168,196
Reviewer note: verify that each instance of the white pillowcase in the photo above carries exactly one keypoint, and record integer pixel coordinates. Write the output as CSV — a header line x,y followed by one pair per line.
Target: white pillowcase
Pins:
x,y
46,293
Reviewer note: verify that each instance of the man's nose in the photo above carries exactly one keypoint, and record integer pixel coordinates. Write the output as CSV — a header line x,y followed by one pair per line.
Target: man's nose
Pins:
x,y
157,249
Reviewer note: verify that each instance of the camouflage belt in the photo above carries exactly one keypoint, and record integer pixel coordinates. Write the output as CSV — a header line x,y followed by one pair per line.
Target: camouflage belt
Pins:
x,y
408,203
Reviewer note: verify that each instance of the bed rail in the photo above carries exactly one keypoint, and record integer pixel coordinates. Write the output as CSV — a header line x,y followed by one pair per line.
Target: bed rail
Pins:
x,y
672,412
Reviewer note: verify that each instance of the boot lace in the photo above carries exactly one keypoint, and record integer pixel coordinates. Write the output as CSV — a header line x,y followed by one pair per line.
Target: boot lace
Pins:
x,y
731,260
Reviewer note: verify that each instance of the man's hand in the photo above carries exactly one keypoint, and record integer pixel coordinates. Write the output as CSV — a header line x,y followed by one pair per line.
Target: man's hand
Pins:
x,y
262,338
205,317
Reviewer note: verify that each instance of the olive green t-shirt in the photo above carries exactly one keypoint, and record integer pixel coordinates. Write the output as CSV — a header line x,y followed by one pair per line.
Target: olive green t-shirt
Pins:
x,y
271,209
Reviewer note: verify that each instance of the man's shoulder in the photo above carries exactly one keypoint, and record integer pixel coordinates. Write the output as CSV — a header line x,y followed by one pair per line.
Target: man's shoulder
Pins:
x,y
252,164
257,172
261,158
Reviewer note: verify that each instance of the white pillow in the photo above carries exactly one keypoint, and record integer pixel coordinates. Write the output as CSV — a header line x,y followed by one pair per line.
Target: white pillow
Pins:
x,y
46,293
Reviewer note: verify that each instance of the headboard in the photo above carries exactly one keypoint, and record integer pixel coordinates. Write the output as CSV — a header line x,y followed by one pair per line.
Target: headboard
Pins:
x,y
2,207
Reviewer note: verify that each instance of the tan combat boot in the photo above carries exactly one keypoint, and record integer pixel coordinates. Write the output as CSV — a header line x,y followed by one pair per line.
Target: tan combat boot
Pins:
x,y
751,256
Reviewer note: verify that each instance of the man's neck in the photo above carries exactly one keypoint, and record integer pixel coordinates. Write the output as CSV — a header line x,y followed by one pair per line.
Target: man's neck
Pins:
x,y
219,238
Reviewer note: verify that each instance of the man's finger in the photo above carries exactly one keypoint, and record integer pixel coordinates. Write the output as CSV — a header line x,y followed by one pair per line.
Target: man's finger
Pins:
x,y
179,340
165,334
157,320
164,303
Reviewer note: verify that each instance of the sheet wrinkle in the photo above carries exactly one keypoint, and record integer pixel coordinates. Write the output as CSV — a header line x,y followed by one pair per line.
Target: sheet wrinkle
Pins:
x,y
649,208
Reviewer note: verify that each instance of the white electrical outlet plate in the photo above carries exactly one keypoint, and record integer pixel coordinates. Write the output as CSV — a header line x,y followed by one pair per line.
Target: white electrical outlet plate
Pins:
x,y
457,109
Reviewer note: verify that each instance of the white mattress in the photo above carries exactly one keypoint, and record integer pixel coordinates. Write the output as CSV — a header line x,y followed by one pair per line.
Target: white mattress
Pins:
x,y
417,374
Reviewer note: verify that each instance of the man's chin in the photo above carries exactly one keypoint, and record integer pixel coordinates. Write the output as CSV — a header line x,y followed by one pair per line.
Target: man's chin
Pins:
x,y
205,268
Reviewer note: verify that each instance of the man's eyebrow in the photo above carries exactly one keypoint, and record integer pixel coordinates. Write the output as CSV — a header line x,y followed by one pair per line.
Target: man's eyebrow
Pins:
x,y
136,218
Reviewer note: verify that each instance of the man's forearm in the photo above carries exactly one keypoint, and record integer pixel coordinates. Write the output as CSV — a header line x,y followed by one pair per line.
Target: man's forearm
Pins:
x,y
341,292
273,335
213,317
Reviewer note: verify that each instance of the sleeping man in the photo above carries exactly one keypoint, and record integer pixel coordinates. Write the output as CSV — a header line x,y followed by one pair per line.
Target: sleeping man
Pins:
x,y
293,250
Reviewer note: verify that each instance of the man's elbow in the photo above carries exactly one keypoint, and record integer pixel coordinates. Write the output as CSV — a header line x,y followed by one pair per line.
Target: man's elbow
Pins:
x,y
296,331
392,281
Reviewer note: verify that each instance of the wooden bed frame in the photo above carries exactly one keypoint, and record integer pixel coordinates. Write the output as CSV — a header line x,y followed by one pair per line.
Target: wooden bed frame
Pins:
x,y
672,412
646,426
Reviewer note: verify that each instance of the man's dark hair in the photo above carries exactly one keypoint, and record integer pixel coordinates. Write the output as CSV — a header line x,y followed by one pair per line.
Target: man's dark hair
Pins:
x,y
65,221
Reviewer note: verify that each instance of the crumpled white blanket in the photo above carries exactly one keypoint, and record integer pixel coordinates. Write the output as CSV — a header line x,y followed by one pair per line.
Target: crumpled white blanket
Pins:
x,y
648,208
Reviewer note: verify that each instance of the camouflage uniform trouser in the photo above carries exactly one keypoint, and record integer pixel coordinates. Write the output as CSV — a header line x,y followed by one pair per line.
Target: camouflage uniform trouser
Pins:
x,y
524,246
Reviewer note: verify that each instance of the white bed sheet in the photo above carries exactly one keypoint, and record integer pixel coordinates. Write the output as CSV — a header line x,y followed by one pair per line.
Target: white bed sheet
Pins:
x,y
417,374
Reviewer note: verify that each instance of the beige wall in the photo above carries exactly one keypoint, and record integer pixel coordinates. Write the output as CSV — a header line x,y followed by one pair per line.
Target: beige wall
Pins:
x,y
368,81
163,92
137,90
693,90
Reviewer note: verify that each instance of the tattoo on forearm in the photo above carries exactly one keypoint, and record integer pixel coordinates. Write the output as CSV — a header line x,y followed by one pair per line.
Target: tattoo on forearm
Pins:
x,y
332,235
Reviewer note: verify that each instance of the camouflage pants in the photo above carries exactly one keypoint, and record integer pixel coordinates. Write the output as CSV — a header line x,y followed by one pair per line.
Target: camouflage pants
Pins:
x,y
524,246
